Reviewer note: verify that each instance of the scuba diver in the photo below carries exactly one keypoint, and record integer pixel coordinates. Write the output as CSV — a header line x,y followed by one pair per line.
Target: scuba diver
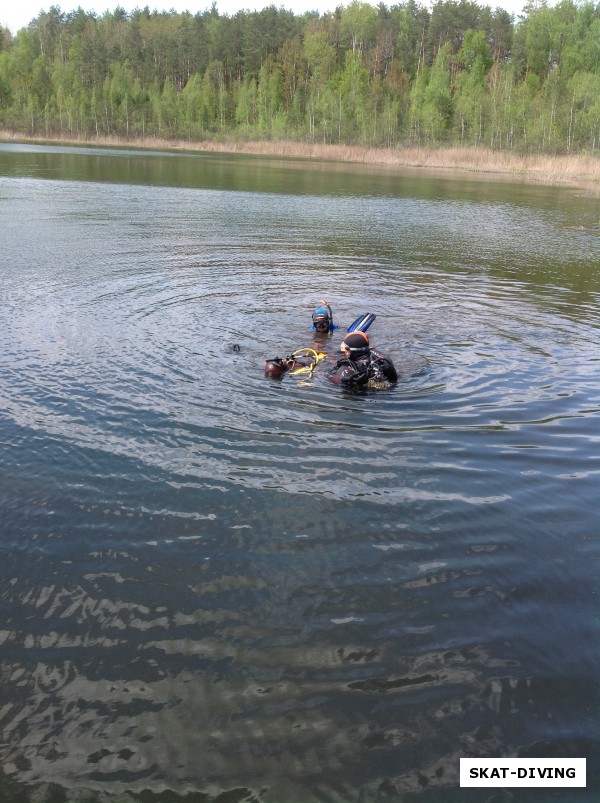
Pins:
x,y
322,326
301,361
305,360
361,365
322,319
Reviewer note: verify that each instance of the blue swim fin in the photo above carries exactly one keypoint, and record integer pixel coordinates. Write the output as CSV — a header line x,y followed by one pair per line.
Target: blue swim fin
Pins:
x,y
362,323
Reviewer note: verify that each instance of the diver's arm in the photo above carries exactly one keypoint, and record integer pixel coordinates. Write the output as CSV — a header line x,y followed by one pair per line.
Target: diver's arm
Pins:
x,y
382,364
349,374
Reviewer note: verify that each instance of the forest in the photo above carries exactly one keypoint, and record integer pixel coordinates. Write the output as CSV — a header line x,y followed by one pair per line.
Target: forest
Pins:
x,y
454,73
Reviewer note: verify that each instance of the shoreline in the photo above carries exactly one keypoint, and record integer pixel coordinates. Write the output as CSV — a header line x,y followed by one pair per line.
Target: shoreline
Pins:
x,y
576,170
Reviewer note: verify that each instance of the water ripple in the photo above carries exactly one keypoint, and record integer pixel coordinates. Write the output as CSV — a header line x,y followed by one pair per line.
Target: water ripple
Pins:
x,y
222,586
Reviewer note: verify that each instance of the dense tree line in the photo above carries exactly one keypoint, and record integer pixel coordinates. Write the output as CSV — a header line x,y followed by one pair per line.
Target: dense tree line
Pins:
x,y
458,73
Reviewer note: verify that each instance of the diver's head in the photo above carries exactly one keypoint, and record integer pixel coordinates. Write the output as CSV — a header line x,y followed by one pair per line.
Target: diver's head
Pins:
x,y
356,344
275,368
322,320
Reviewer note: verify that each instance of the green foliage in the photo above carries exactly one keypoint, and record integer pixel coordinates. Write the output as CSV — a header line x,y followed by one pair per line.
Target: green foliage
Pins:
x,y
456,72
475,51
437,98
358,25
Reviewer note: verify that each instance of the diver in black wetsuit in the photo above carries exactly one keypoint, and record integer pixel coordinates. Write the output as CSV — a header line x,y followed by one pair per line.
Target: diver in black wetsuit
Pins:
x,y
362,365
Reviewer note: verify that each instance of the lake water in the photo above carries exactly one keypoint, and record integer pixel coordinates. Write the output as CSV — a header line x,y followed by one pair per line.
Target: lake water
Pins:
x,y
218,587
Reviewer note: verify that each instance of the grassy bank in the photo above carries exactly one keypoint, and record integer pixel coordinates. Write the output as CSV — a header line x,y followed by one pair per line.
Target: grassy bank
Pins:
x,y
573,170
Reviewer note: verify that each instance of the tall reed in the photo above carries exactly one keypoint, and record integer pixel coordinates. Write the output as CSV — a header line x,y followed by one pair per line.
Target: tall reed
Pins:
x,y
575,169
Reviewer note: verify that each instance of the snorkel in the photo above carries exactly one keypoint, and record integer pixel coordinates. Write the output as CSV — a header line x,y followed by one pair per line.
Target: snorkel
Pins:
x,y
322,319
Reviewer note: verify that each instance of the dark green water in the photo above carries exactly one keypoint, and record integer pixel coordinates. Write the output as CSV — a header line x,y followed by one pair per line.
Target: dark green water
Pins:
x,y
216,587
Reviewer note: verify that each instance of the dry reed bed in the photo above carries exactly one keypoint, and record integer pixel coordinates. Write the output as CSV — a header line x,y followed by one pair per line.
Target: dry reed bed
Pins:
x,y
575,169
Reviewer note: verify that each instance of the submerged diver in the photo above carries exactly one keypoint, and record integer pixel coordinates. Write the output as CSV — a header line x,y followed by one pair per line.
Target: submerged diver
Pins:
x,y
305,360
361,365
302,361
